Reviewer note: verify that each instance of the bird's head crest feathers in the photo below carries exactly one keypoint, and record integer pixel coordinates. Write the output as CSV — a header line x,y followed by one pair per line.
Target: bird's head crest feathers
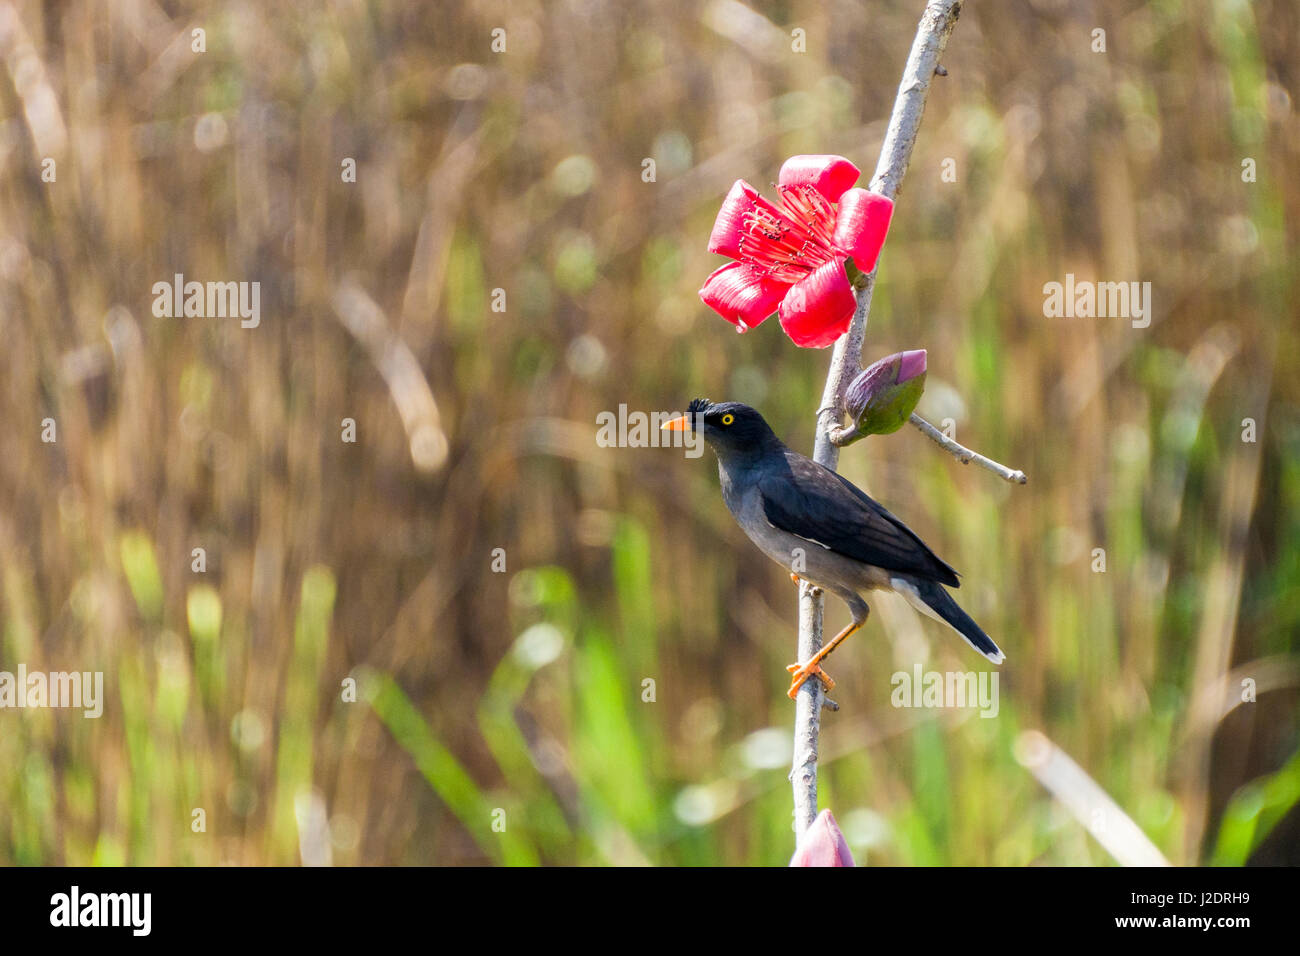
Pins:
x,y
698,405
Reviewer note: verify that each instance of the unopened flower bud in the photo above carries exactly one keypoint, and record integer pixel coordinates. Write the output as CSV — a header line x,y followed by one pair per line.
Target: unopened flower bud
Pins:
x,y
823,844
883,395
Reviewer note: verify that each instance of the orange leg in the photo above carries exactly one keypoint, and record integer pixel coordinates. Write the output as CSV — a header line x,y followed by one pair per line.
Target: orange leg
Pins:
x,y
801,672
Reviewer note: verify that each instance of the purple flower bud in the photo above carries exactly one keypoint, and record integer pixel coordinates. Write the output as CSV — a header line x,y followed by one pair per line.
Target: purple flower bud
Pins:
x,y
912,365
823,844
883,395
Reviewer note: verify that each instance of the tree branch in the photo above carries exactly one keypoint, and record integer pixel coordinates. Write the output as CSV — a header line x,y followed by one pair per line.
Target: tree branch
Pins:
x,y
931,37
846,435
964,454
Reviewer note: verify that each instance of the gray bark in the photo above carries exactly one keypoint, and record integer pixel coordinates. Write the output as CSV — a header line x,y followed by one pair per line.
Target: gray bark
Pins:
x,y
931,37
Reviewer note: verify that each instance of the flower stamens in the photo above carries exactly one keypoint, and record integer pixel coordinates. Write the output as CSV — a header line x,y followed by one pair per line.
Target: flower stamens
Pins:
x,y
792,244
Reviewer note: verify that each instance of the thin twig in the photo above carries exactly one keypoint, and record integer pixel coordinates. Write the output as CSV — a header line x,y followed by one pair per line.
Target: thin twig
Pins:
x,y
843,436
931,37
964,454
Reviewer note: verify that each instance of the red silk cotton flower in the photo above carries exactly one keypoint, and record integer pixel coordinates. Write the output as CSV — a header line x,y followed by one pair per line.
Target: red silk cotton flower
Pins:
x,y
789,256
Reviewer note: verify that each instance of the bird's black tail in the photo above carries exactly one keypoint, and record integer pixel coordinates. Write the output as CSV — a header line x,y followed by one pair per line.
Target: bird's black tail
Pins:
x,y
932,599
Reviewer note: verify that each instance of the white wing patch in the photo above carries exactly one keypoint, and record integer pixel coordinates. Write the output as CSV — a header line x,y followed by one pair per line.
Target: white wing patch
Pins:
x,y
793,535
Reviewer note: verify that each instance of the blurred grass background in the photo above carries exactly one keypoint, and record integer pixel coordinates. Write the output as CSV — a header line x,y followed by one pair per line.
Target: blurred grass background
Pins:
x,y
514,699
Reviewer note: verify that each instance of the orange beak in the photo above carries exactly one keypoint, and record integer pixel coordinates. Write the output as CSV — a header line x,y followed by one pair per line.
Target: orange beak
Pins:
x,y
679,424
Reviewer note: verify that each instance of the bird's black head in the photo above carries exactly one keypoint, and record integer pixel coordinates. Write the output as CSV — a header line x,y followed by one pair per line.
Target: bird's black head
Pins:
x,y
731,428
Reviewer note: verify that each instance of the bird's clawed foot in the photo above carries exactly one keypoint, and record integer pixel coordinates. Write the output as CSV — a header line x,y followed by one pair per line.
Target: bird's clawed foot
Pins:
x,y
801,672
815,590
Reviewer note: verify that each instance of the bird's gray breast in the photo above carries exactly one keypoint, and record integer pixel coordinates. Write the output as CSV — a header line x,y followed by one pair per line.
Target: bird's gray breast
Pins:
x,y
781,546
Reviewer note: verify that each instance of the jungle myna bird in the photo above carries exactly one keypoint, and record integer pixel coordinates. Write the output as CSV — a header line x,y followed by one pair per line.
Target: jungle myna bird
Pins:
x,y
822,528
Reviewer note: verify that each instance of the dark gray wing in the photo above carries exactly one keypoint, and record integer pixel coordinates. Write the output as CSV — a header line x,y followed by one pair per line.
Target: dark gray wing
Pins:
x,y
803,498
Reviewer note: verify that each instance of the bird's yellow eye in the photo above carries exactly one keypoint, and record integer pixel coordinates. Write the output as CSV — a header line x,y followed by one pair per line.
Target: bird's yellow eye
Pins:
x,y
728,418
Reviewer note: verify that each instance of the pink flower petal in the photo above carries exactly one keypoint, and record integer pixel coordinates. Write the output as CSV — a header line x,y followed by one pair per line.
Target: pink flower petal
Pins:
x,y
823,844
729,226
829,175
862,224
819,307
742,294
